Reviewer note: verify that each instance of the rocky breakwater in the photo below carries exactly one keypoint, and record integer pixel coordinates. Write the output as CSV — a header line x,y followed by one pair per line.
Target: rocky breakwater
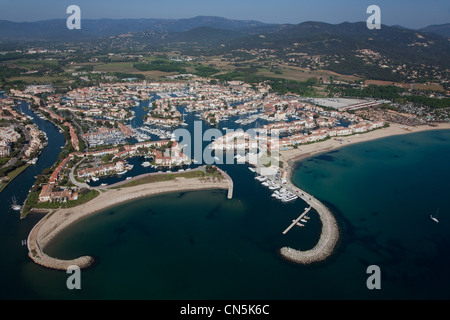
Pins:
x,y
41,233
329,235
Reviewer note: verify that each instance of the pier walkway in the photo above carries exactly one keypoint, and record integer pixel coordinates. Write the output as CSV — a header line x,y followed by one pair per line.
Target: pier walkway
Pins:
x,y
330,231
295,222
230,183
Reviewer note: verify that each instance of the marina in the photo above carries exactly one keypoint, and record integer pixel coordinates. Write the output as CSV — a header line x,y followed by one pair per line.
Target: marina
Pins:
x,y
281,193
160,133
235,247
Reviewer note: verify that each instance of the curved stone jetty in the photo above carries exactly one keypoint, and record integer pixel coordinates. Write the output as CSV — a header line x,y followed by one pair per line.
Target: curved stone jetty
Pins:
x,y
229,181
328,237
56,221
330,231
36,253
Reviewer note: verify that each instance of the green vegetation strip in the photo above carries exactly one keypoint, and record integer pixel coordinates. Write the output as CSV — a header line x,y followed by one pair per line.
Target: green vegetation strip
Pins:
x,y
13,174
161,65
32,202
162,177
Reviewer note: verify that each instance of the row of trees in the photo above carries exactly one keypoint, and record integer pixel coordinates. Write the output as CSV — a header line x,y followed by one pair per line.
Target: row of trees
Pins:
x,y
161,65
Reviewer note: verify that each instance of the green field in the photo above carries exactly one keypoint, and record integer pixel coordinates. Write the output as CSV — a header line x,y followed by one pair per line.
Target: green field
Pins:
x,y
125,67
163,177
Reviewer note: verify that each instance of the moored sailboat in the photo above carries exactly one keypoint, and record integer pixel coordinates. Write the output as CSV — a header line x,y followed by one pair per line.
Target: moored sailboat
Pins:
x,y
14,205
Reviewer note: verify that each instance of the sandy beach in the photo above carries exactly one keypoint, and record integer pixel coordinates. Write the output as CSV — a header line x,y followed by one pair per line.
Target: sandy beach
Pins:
x,y
56,221
330,230
305,151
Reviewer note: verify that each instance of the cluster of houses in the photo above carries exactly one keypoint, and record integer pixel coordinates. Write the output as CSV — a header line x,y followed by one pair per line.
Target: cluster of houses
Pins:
x,y
100,169
52,114
108,101
289,142
263,139
73,136
164,110
238,140
8,135
36,140
5,148
167,122
172,156
8,113
49,194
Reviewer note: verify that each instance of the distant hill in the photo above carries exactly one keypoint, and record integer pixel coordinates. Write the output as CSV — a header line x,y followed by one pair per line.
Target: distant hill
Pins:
x,y
324,38
345,48
442,29
57,30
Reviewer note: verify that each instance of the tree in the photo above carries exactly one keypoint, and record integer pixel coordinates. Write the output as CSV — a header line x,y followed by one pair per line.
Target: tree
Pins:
x,y
210,169
107,158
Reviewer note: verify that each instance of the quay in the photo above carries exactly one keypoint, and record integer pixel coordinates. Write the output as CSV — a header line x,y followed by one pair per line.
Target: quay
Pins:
x,y
229,181
329,234
295,222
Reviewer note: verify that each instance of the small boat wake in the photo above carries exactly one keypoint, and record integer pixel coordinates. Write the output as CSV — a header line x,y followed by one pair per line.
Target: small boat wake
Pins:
x,y
435,219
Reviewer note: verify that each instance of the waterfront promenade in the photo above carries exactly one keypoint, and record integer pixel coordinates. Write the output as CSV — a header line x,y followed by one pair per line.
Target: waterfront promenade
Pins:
x,y
56,221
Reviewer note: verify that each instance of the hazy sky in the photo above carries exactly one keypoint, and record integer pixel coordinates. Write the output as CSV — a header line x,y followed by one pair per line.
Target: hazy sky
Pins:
x,y
408,13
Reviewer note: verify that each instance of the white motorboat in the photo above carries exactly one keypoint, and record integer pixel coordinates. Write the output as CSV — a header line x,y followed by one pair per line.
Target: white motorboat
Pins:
x,y
146,164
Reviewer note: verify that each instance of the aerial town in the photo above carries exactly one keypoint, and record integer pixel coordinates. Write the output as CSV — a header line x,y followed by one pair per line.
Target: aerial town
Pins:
x,y
100,125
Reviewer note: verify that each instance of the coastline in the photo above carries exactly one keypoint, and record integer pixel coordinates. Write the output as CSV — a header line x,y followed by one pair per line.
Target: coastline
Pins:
x,y
330,229
56,221
305,151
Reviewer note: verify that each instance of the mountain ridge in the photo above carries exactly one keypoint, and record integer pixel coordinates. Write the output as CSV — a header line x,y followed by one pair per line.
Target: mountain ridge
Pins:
x,y
55,29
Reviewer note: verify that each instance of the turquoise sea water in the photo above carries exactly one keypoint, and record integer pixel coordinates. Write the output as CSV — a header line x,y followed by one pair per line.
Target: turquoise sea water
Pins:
x,y
384,192
199,245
